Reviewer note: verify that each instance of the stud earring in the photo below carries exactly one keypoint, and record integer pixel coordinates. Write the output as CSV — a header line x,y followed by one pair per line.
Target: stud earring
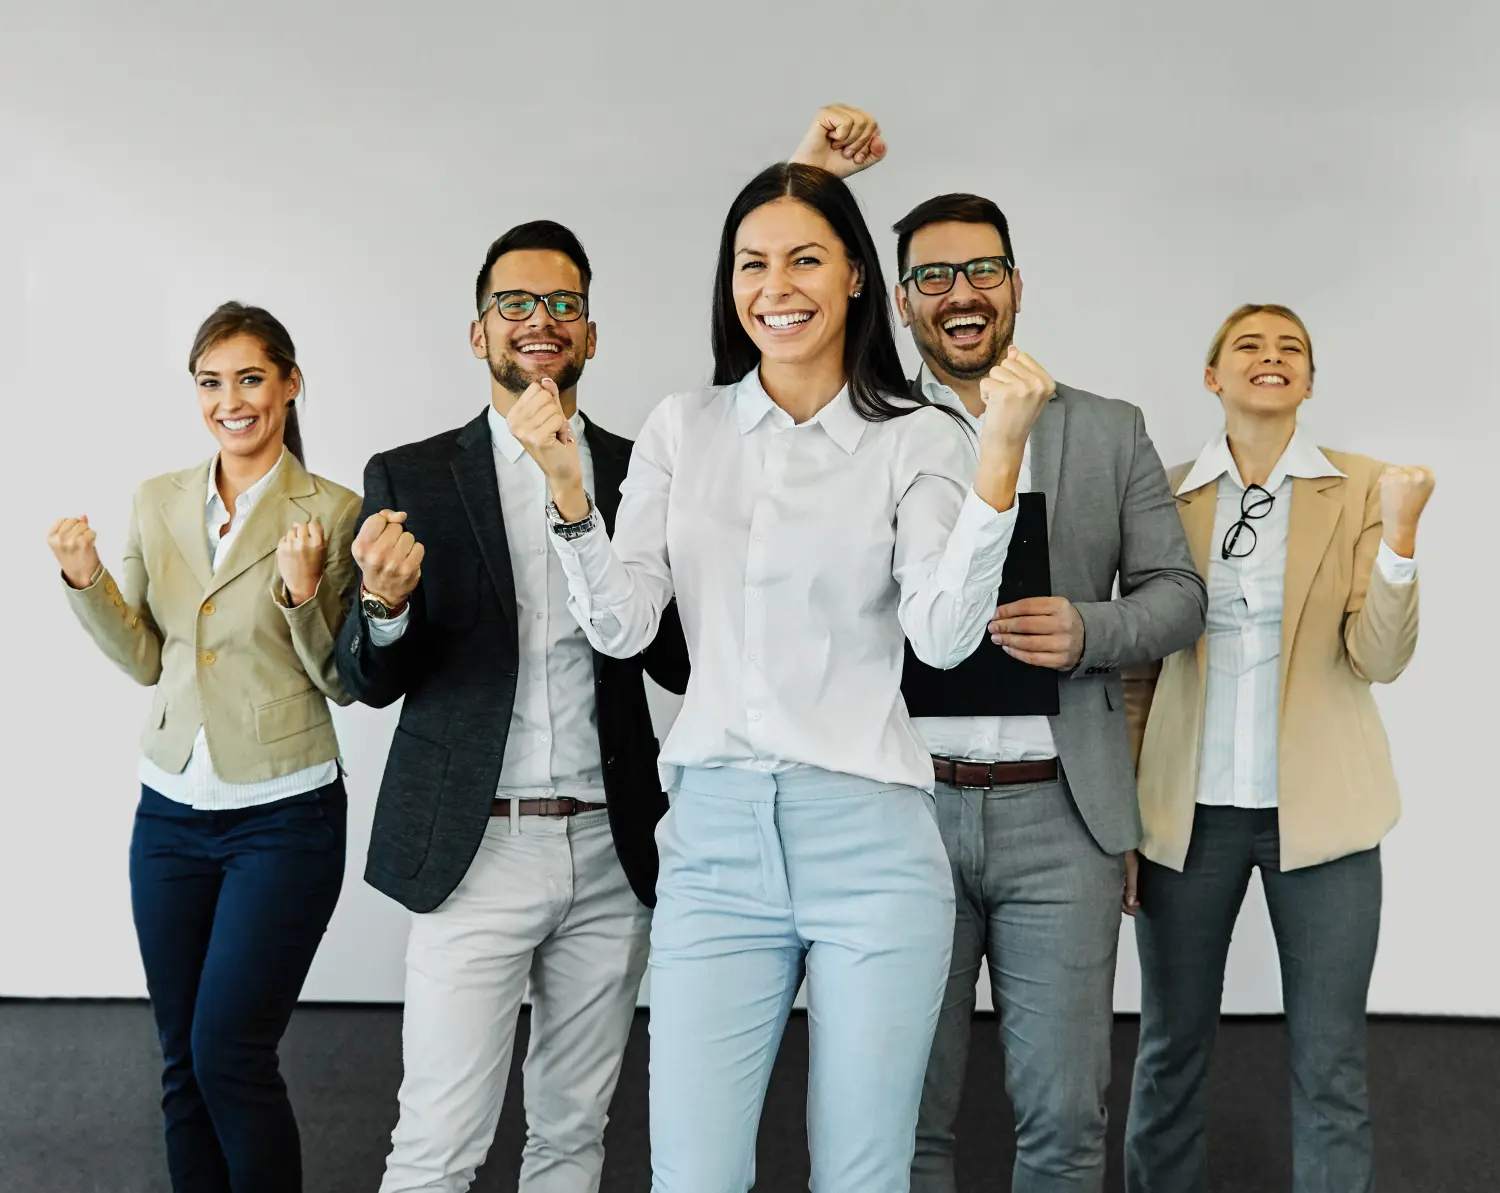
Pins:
x,y
855,294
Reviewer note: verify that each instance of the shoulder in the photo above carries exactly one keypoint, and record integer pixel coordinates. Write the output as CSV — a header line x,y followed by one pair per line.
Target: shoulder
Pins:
x,y
433,450
1364,471
1178,473
168,484
332,495
602,440
689,412
1113,412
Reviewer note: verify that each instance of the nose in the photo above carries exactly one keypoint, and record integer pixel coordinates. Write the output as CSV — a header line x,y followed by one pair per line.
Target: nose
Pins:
x,y
776,283
540,318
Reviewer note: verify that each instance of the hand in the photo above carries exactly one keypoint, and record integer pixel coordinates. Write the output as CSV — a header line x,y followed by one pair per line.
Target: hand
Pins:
x,y
72,542
539,424
842,140
389,557
1403,494
300,555
1132,900
1042,631
1014,393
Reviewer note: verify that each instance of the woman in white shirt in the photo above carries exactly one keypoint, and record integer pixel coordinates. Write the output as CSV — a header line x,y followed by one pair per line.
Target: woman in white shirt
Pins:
x,y
1264,749
237,858
807,515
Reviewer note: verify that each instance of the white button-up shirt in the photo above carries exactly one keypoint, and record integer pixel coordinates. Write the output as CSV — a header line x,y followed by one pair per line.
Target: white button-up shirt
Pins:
x,y
1242,700
552,746
801,556
984,739
198,784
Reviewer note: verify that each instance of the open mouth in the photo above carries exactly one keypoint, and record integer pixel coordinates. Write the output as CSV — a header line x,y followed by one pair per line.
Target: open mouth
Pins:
x,y
967,329
1269,379
785,322
540,349
239,426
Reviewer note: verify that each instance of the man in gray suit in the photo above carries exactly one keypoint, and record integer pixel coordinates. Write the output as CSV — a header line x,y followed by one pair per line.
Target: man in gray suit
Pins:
x,y
1036,794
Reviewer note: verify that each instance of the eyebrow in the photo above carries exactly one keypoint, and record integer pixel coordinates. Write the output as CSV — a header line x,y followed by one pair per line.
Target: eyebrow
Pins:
x,y
1283,339
240,373
811,244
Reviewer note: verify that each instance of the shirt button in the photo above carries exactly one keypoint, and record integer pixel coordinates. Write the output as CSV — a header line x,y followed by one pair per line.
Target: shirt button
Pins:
x,y
540,615
208,609
209,658
542,737
755,716
751,593
760,538
752,656
541,550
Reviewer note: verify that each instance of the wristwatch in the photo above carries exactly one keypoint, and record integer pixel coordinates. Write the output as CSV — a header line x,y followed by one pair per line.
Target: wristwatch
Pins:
x,y
571,530
375,607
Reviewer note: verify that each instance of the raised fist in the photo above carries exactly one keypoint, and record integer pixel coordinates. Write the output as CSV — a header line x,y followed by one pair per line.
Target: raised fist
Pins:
x,y
300,555
842,140
1403,494
389,557
72,542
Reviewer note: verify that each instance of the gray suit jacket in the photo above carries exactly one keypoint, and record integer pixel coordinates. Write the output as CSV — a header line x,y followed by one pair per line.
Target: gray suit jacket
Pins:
x,y
1110,513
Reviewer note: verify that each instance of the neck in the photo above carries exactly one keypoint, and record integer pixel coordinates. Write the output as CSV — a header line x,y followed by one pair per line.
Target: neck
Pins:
x,y
805,387
1256,443
235,474
502,399
967,391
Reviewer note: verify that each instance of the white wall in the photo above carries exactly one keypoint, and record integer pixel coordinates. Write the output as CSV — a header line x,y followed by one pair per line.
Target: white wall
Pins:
x,y
346,165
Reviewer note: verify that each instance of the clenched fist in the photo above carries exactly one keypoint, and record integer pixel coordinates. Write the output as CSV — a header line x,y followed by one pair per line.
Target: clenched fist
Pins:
x,y
842,140
389,557
72,542
540,426
300,555
1403,494
1014,393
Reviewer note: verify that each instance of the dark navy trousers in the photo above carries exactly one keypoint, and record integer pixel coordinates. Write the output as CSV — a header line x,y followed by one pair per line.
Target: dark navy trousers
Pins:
x,y
229,910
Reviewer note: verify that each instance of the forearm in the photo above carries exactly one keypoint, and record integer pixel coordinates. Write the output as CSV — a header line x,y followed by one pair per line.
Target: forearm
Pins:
x,y
1381,635
618,606
1160,617
123,631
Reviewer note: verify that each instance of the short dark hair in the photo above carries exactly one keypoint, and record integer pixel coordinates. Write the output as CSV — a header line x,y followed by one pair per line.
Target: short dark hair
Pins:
x,y
547,235
949,209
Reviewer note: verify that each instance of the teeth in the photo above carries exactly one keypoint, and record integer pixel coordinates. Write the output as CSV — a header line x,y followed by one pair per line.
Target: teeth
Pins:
x,y
964,321
786,320
540,348
1269,379
237,424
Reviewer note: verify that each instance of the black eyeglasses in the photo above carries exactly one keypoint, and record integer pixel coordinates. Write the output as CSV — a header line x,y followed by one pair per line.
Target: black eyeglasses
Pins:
x,y
1239,539
937,277
515,305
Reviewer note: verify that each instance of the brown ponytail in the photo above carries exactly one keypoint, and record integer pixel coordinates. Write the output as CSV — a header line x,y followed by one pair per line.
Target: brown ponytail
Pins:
x,y
235,319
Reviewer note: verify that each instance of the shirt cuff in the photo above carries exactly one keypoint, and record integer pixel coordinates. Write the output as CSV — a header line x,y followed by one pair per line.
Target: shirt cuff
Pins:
x,y
384,631
585,561
1396,569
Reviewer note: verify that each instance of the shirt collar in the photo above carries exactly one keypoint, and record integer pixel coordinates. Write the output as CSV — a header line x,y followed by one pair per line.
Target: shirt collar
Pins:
x,y
838,419
1302,458
942,395
508,446
249,497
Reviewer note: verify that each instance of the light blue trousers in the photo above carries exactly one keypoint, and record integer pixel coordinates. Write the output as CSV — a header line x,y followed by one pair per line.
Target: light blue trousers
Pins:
x,y
763,876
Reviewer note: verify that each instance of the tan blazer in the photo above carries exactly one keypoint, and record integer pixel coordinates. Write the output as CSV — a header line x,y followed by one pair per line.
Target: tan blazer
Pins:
x,y
223,651
1343,628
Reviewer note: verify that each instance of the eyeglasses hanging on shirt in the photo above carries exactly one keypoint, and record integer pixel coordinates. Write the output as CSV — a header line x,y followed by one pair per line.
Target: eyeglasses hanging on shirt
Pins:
x,y
1239,539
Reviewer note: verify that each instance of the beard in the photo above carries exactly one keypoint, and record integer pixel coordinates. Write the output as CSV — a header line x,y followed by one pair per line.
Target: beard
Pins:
x,y
509,373
975,361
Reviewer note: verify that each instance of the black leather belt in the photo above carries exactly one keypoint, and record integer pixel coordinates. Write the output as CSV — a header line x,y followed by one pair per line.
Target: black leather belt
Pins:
x,y
959,772
565,806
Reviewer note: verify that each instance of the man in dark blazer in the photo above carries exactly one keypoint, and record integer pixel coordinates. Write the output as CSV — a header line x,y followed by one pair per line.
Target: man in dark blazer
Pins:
x,y
1036,795
517,811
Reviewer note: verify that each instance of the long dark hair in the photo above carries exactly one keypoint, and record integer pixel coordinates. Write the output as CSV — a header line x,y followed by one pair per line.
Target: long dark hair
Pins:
x,y
870,360
235,319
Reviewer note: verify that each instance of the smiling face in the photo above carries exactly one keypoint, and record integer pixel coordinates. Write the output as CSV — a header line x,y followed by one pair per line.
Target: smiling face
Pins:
x,y
1263,367
792,283
523,351
244,396
961,334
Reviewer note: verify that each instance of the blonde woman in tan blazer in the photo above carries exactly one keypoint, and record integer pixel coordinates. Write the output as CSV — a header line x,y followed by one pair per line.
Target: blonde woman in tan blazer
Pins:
x,y
1262,747
235,579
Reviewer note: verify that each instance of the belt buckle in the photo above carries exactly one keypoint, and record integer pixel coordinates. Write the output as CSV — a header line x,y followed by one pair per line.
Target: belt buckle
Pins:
x,y
568,806
988,770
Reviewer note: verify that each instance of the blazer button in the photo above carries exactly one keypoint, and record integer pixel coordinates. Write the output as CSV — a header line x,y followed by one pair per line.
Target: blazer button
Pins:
x,y
209,658
208,609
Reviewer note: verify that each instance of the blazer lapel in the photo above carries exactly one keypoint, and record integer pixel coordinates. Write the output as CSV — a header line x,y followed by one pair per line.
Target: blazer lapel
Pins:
x,y
266,523
1315,514
183,515
609,473
1197,510
1047,453
479,488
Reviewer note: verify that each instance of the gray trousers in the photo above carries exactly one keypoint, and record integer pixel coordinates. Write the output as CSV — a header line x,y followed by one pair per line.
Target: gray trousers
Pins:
x,y
1040,899
1327,920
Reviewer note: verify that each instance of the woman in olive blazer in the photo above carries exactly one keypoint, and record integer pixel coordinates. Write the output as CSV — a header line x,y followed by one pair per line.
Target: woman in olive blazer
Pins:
x,y
231,595
1261,747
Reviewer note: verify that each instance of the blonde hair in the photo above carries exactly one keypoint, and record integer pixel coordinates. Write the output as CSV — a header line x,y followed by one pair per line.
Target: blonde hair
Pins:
x,y
1258,308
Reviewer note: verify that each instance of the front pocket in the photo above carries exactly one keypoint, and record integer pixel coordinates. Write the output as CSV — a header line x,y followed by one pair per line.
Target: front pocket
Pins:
x,y
292,715
407,807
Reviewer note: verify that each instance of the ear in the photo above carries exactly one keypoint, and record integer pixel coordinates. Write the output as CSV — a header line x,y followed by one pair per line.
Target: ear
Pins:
x,y
1018,282
859,278
478,341
593,341
903,312
294,386
1211,380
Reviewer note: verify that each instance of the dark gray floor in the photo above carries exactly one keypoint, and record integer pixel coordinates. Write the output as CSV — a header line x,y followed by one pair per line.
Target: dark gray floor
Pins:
x,y
78,1105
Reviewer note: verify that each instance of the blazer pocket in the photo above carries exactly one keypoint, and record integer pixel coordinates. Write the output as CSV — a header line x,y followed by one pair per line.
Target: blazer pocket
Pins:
x,y
1114,691
407,807
290,716
158,716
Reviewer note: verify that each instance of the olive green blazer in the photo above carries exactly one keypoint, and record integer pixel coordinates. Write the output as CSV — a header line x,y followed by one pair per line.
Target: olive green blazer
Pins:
x,y
222,648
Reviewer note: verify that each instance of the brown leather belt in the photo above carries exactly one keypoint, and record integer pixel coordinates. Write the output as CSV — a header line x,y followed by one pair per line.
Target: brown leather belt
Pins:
x,y
566,806
958,773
